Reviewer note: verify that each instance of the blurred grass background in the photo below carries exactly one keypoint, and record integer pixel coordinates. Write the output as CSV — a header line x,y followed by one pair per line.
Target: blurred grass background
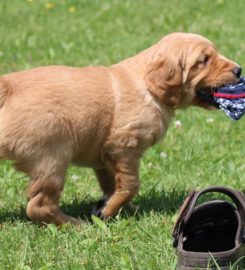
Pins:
x,y
206,149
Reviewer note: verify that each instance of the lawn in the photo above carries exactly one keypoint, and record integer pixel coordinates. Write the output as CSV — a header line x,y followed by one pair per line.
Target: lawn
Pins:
x,y
206,149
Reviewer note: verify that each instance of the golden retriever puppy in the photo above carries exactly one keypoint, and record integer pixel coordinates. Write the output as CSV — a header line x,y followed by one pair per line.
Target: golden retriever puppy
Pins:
x,y
101,117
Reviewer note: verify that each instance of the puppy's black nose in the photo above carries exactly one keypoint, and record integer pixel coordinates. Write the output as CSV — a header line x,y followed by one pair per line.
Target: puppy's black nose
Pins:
x,y
237,71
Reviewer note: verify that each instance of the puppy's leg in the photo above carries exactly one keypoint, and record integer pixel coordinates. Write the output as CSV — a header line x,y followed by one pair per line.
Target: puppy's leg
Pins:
x,y
106,181
44,193
126,185
107,184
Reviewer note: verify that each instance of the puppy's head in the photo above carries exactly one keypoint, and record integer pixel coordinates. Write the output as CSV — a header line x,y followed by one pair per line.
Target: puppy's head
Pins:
x,y
182,64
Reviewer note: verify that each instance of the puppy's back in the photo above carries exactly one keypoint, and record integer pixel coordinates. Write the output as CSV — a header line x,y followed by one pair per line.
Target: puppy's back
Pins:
x,y
57,104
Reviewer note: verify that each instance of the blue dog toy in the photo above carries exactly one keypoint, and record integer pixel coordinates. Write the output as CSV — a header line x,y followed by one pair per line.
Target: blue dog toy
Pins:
x,y
229,98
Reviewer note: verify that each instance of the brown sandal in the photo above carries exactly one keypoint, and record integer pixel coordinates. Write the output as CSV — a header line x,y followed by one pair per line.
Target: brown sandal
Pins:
x,y
212,234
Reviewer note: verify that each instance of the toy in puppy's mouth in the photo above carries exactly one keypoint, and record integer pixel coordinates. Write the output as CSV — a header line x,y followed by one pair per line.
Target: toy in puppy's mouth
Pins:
x,y
228,98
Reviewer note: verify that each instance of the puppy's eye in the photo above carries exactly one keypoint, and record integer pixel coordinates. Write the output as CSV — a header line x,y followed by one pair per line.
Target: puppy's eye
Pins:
x,y
201,61
205,58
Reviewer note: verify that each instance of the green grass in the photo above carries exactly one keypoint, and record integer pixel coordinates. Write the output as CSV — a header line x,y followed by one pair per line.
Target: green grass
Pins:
x,y
34,33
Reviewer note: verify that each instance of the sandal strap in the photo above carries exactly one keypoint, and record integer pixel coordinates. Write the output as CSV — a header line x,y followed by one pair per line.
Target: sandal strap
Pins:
x,y
188,206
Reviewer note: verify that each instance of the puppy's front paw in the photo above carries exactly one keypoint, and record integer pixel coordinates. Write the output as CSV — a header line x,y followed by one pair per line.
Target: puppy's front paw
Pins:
x,y
102,209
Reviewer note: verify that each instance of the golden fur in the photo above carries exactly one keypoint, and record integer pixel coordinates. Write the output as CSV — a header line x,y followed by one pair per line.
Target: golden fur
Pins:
x,y
100,117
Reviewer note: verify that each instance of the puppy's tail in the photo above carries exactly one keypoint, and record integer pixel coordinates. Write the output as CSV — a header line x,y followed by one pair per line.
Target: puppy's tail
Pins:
x,y
4,89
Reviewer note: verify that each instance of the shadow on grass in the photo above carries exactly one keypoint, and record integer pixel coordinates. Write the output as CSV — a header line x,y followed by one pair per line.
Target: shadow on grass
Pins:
x,y
159,202
9,215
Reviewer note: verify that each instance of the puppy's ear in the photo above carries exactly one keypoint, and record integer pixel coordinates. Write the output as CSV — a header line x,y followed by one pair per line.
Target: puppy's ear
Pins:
x,y
164,80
